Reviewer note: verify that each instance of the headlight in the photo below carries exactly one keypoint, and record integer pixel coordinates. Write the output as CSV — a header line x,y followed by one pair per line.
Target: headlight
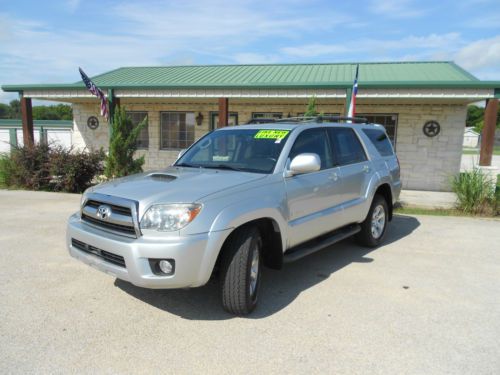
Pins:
x,y
169,217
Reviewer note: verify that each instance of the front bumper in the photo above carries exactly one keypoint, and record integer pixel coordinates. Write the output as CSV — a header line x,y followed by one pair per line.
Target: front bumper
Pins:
x,y
194,255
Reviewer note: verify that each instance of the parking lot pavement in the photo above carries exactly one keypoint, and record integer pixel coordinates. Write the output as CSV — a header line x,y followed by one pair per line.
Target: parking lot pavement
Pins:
x,y
427,302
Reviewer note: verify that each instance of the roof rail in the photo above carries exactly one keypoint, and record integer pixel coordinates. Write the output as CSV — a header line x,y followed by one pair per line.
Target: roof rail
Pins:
x,y
320,118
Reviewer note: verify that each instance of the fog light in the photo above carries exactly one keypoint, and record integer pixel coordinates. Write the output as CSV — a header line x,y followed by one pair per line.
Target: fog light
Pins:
x,y
165,266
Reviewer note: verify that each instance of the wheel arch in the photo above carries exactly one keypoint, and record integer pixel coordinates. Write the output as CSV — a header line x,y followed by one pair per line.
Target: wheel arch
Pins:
x,y
385,191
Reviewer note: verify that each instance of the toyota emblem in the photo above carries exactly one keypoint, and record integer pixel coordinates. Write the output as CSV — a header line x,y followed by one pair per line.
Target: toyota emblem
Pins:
x,y
103,212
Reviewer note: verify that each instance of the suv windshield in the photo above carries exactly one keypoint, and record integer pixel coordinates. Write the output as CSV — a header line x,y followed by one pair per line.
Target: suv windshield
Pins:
x,y
248,150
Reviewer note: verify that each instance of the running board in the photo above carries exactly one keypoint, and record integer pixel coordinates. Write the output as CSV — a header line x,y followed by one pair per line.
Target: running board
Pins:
x,y
312,246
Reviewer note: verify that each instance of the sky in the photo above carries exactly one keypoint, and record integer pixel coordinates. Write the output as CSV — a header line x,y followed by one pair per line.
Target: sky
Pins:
x,y
46,41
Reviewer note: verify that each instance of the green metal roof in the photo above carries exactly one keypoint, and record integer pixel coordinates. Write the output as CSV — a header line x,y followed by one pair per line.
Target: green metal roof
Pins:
x,y
440,74
17,123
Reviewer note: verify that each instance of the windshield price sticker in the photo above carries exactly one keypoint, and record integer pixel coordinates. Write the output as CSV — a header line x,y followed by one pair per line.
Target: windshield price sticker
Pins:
x,y
278,135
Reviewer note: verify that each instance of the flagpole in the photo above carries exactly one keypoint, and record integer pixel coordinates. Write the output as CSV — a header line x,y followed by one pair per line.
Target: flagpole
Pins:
x,y
351,96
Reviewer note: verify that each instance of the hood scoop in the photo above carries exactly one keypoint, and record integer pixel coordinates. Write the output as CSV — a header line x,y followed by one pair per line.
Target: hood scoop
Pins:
x,y
162,177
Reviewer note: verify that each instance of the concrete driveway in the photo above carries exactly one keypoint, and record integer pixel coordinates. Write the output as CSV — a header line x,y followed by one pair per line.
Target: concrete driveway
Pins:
x,y
427,302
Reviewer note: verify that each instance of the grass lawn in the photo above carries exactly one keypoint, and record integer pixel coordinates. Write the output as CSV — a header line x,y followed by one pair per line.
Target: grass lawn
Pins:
x,y
474,151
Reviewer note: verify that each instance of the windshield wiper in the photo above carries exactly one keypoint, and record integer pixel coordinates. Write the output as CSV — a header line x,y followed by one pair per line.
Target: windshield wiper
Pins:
x,y
222,166
187,165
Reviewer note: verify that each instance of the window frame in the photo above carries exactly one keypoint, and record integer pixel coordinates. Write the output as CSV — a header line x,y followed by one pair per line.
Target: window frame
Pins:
x,y
161,132
267,113
147,127
328,144
214,114
396,124
334,149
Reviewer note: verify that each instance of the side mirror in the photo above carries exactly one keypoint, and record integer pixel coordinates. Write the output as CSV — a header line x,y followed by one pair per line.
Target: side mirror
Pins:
x,y
304,163
181,152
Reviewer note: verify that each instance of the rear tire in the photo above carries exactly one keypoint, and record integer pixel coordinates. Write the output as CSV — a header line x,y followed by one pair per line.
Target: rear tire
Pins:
x,y
241,269
374,227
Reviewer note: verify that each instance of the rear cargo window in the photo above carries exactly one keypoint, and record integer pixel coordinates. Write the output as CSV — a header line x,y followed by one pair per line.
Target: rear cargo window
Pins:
x,y
380,141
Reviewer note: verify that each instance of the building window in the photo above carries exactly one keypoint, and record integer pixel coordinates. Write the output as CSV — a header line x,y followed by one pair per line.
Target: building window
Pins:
x,y
301,114
389,121
273,115
214,119
176,130
143,138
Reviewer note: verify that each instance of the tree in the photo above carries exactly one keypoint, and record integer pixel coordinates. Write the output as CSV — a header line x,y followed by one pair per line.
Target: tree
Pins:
x,y
53,112
475,114
475,118
5,111
122,146
311,108
15,108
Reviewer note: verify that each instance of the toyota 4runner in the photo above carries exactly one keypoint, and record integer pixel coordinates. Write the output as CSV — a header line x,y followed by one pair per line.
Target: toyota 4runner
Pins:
x,y
239,198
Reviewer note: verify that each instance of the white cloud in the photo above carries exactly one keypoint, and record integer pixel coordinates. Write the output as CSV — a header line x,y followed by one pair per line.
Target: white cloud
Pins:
x,y
396,8
480,54
72,5
316,49
255,58
376,46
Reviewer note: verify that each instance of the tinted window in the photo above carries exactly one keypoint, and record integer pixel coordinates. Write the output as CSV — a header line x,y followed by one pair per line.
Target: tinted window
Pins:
x,y
380,141
247,150
313,141
346,146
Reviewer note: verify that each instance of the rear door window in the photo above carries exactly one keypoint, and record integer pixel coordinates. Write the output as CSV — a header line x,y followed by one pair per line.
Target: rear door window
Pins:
x,y
313,141
346,146
380,141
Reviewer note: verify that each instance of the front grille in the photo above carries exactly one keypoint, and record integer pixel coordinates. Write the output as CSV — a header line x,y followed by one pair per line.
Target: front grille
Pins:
x,y
118,209
119,220
105,224
105,255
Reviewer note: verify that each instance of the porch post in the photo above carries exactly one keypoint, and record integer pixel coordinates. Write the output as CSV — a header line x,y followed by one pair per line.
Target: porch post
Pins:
x,y
488,135
27,120
223,112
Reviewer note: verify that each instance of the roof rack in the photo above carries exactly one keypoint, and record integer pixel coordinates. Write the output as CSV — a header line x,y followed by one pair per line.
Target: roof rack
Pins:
x,y
359,120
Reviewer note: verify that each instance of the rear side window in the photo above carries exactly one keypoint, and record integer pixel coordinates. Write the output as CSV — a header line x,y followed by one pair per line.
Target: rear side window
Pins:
x,y
380,141
313,141
346,146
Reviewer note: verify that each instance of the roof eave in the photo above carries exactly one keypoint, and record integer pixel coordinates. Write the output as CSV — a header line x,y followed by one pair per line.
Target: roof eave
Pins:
x,y
333,85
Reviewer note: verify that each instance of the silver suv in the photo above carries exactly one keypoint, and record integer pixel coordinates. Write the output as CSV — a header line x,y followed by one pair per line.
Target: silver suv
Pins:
x,y
239,198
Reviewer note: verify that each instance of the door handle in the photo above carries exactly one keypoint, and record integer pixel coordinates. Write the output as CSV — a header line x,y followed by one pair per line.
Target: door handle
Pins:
x,y
334,176
366,168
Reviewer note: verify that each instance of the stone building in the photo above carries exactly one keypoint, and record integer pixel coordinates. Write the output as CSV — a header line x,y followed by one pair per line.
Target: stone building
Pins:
x,y
423,106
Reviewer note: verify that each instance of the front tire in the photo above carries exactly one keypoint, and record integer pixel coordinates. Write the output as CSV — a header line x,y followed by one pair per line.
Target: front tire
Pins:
x,y
374,227
241,270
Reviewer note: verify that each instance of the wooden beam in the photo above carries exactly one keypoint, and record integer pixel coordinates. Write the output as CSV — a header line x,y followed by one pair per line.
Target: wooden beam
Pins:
x,y
27,119
488,134
223,112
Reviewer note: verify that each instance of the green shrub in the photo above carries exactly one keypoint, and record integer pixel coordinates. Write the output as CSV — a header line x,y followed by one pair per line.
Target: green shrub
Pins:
x,y
51,168
5,171
475,193
122,146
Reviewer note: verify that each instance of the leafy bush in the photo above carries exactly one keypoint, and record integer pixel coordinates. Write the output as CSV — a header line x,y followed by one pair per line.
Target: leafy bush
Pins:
x,y
51,168
31,167
122,146
475,193
5,171
74,171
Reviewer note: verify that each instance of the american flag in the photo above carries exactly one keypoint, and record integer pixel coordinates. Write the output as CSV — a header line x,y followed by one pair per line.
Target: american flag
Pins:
x,y
94,90
352,105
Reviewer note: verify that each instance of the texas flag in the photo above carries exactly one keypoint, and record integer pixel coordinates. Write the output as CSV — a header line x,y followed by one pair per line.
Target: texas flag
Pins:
x,y
352,105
